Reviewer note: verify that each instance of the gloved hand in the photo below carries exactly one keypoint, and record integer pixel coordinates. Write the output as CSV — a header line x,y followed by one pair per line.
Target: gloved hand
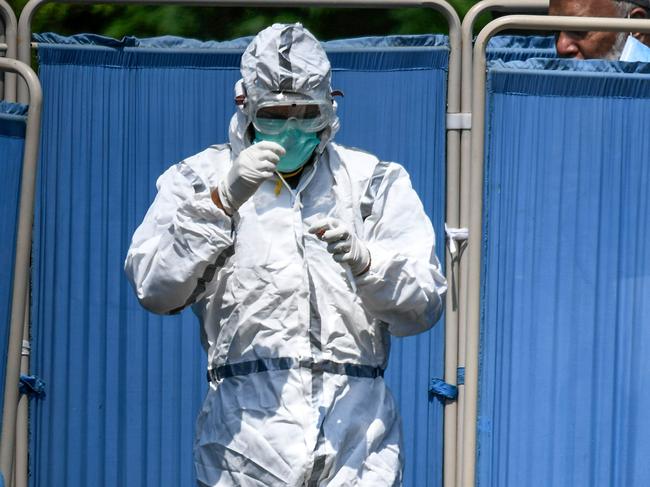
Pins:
x,y
343,244
253,166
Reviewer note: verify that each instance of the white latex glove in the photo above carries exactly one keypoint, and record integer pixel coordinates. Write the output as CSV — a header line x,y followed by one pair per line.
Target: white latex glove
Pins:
x,y
343,244
253,166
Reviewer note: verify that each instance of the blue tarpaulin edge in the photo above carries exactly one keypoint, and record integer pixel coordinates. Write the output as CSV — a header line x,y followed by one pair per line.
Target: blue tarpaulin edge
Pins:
x,y
7,108
174,42
570,78
12,119
382,53
512,47
522,42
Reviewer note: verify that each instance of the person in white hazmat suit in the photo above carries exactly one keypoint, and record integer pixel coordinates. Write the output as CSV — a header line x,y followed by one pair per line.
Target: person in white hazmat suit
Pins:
x,y
300,257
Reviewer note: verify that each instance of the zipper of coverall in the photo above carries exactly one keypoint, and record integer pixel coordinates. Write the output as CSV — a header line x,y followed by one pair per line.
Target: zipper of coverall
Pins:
x,y
315,342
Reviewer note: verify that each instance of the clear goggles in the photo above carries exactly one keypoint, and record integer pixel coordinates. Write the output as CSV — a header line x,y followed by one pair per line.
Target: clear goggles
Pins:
x,y
273,116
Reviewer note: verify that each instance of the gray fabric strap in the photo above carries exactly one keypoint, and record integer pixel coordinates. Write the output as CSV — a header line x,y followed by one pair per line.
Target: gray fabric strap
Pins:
x,y
368,198
285,363
207,276
191,176
286,40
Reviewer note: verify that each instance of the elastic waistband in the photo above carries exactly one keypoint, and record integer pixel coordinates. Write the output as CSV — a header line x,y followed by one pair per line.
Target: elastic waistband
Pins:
x,y
285,363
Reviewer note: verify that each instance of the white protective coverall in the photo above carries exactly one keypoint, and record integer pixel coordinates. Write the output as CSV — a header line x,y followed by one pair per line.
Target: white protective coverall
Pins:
x,y
296,351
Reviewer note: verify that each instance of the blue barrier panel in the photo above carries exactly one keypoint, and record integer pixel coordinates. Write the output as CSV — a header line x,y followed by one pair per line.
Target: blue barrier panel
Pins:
x,y
12,138
519,48
565,341
125,386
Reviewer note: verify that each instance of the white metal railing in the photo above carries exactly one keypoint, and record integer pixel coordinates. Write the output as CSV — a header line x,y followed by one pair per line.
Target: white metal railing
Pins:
x,y
453,136
20,290
8,18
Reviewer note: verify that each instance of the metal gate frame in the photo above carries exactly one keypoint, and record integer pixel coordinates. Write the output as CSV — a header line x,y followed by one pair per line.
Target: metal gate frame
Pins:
x,y
25,92
515,22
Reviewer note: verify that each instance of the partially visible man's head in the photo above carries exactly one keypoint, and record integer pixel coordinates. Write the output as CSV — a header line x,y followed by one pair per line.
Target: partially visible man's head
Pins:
x,y
594,45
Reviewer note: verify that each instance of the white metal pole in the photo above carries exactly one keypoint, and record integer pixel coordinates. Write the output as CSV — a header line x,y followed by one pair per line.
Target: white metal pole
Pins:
x,y
21,463
452,217
21,267
10,24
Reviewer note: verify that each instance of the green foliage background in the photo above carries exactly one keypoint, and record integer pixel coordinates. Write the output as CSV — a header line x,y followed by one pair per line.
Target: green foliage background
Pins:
x,y
220,23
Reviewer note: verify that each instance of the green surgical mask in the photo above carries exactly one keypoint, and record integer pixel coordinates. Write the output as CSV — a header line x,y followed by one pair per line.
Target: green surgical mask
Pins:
x,y
298,144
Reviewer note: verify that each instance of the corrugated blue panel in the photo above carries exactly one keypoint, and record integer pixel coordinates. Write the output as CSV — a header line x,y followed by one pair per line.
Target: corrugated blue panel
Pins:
x,y
12,138
565,341
124,386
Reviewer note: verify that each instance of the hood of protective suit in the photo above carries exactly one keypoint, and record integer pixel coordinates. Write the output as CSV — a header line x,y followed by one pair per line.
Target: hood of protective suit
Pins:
x,y
281,58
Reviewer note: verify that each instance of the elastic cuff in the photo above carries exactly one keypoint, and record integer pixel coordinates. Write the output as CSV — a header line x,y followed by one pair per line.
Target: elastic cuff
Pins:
x,y
374,273
228,207
367,268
